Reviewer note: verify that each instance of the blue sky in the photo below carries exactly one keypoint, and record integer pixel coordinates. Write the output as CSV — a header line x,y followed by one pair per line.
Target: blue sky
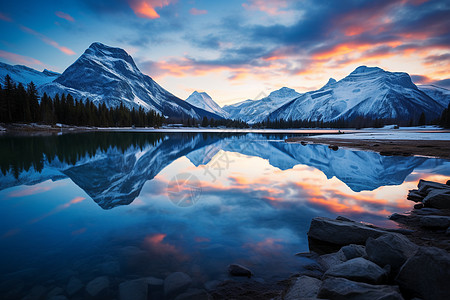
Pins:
x,y
236,50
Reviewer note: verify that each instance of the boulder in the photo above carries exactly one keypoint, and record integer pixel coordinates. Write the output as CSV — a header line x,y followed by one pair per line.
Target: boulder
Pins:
x,y
358,269
442,222
342,232
426,186
390,249
426,275
133,290
56,291
238,270
353,251
427,211
193,294
98,287
344,289
74,286
110,268
327,261
415,196
438,199
176,283
36,293
303,287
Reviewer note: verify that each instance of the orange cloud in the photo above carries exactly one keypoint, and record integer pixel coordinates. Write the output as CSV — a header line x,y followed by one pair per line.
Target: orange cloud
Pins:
x,y
64,16
147,8
29,190
5,18
57,209
20,59
194,11
155,243
271,7
47,40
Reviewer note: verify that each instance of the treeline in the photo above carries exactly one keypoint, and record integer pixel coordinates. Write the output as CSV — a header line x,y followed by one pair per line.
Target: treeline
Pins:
x,y
444,121
19,153
20,104
356,122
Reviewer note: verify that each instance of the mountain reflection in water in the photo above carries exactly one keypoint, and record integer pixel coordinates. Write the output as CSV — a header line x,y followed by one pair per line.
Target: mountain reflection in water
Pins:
x,y
181,202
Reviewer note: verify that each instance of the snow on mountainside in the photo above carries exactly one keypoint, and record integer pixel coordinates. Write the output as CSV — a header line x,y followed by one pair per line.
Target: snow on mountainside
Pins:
x,y
109,75
441,95
26,75
258,110
370,92
204,101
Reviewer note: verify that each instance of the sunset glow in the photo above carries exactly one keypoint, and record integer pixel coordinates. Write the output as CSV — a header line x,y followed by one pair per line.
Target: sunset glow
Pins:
x,y
237,49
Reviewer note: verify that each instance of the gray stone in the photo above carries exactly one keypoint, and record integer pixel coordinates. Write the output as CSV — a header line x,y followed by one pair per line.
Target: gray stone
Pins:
x,y
435,221
74,286
55,292
343,289
415,196
390,249
98,287
303,287
426,274
153,281
399,217
427,211
418,206
353,251
133,290
36,293
193,294
58,297
326,261
239,270
438,199
176,283
110,268
426,186
358,269
212,284
342,232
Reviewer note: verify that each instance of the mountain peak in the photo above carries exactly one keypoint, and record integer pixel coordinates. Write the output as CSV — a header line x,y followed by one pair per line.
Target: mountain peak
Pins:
x,y
102,51
204,101
283,93
365,70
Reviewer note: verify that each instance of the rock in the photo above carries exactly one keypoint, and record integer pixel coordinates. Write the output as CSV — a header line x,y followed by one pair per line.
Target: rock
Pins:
x,y
193,294
415,196
399,217
418,206
400,230
303,287
426,186
426,274
390,249
341,218
98,287
326,261
333,147
110,268
341,288
58,297
435,221
358,269
176,283
438,199
447,232
342,232
344,289
133,290
55,292
353,251
238,270
211,285
448,182
36,293
152,281
74,286
428,211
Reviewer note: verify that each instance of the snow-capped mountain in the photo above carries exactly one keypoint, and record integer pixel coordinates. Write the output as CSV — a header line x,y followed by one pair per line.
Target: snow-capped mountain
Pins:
x,y
258,110
204,101
440,94
370,92
25,75
109,75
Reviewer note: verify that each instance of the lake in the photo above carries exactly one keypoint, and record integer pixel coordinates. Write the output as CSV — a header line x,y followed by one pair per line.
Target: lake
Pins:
x,y
131,205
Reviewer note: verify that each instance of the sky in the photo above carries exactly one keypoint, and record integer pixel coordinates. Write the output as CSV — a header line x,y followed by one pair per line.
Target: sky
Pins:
x,y
236,49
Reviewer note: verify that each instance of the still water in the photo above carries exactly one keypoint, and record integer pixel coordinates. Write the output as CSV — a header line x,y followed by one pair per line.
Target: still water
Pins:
x,y
130,205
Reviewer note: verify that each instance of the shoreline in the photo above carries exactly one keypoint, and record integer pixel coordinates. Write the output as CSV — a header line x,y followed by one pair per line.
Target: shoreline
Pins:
x,y
392,147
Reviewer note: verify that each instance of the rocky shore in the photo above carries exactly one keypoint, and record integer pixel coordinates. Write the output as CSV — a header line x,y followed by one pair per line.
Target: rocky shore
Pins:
x,y
412,262
431,148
